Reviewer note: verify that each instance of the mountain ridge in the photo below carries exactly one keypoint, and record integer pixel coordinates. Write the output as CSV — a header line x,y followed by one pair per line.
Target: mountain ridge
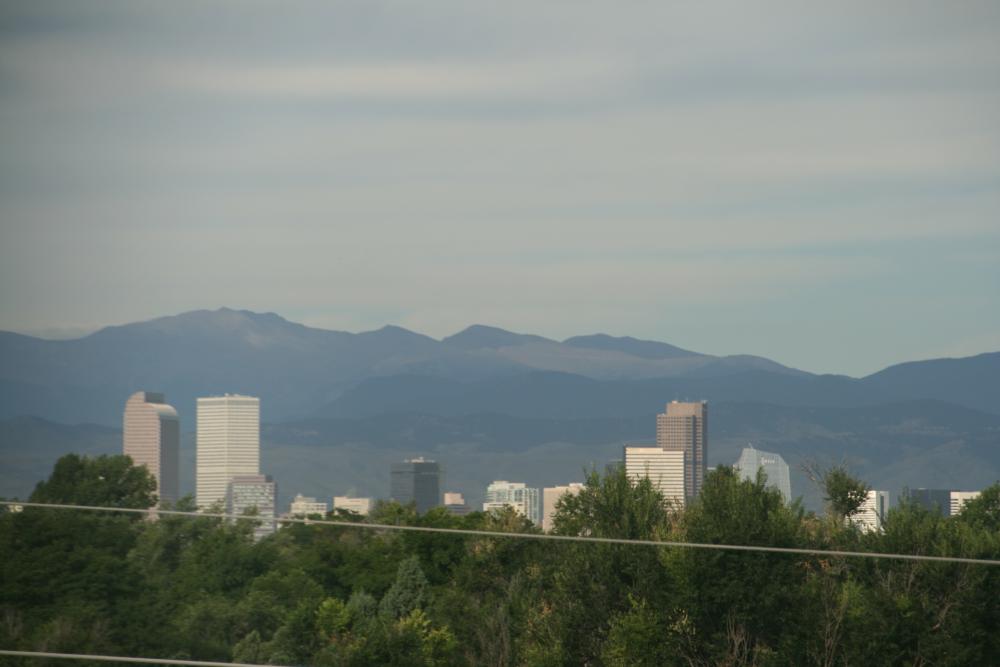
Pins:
x,y
299,370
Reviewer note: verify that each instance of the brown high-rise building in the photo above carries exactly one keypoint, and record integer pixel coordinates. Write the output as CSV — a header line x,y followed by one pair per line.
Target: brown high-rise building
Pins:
x,y
151,436
684,427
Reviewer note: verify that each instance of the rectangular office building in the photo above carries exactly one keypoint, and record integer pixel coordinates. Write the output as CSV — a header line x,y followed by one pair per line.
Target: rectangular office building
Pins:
x,y
254,494
959,498
416,481
306,506
228,444
937,501
684,427
551,496
151,437
518,495
665,468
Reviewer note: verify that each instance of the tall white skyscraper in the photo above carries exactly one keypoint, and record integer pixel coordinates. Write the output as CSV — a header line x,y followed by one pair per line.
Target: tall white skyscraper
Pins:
x,y
665,468
151,436
228,444
752,459
524,499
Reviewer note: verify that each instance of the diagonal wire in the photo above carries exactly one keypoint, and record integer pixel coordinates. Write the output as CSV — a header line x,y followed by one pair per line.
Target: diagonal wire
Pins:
x,y
123,658
529,536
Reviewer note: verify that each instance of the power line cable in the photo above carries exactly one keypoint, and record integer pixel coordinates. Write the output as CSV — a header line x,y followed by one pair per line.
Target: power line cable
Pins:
x,y
529,536
129,659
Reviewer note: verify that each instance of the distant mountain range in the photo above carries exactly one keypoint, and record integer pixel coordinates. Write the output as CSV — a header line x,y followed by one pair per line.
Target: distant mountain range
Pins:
x,y
302,372
338,407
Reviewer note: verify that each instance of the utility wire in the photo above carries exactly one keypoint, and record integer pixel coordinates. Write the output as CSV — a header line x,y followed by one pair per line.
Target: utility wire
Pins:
x,y
122,658
527,536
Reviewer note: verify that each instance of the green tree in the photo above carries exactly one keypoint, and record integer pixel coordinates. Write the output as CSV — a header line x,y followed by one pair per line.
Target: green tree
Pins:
x,y
105,481
250,650
362,607
636,638
591,584
738,602
333,618
844,494
983,512
63,570
201,588
408,592
916,612
613,506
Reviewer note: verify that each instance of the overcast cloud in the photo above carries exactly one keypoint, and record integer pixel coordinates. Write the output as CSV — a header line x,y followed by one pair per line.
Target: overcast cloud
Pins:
x,y
816,184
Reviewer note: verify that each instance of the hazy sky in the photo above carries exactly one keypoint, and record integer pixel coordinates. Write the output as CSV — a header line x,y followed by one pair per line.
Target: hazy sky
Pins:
x,y
818,183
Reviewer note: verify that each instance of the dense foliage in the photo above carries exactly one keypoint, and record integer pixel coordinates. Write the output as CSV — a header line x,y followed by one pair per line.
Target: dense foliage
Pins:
x,y
200,588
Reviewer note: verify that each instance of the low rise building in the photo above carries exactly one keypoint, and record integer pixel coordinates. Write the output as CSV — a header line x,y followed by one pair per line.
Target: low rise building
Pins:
x,y
254,495
933,500
455,503
958,500
521,497
307,506
360,506
551,496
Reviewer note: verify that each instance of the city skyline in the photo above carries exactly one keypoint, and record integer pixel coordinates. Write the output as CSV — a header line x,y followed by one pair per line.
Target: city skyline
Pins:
x,y
682,432
776,477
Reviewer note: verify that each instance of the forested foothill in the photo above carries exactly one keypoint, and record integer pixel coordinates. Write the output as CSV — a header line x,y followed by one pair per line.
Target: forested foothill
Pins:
x,y
201,588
